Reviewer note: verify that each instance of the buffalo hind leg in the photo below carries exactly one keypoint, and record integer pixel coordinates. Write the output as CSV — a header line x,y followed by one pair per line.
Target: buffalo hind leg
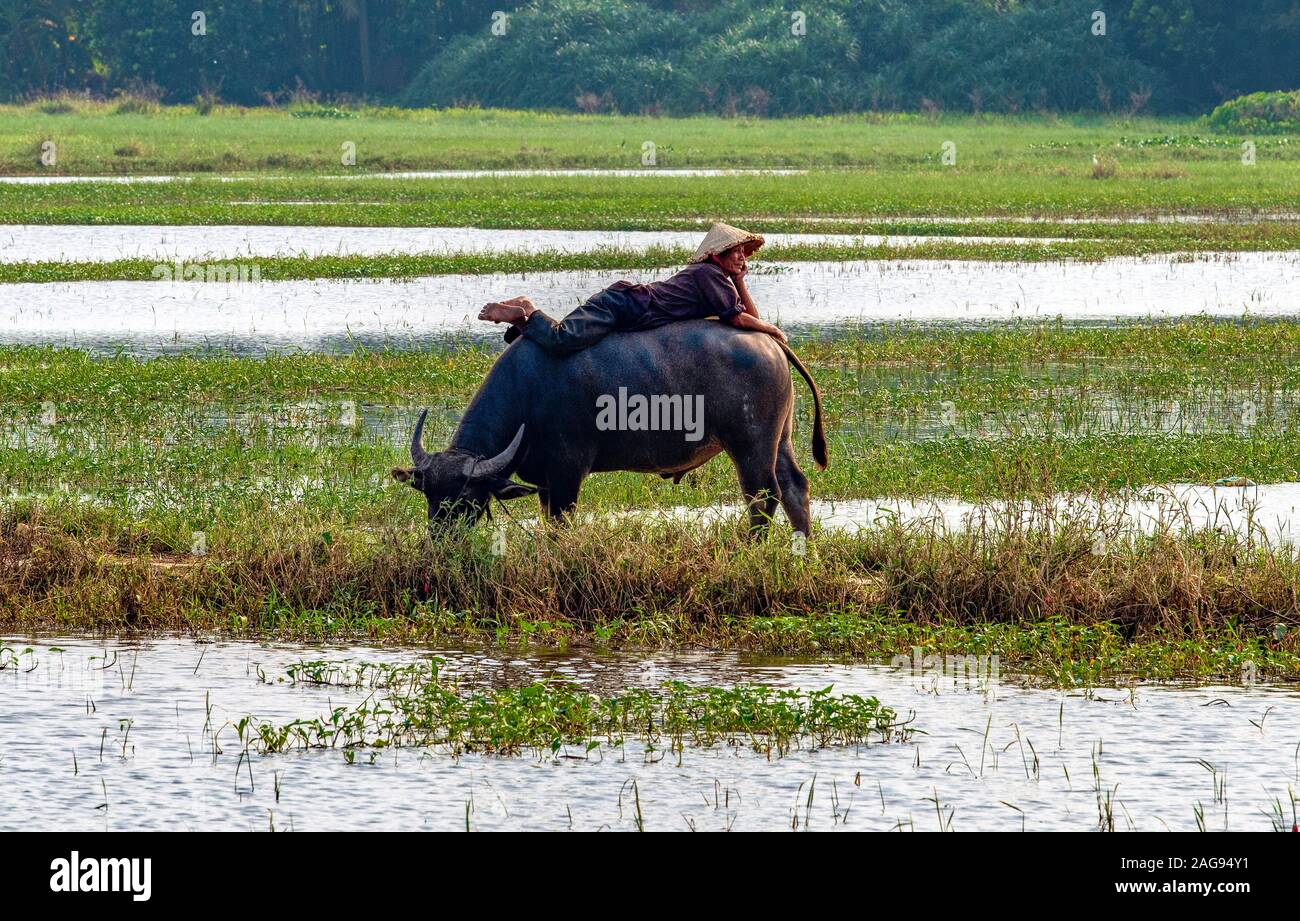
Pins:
x,y
794,489
762,495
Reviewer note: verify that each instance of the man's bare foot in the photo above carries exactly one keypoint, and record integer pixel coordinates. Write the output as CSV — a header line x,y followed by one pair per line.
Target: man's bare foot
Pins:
x,y
498,312
521,301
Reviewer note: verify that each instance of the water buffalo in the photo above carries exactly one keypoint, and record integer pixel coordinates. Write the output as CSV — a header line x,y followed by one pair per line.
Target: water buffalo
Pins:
x,y
630,402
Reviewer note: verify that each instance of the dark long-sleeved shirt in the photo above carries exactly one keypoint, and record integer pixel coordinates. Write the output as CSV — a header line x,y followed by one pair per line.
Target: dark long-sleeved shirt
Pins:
x,y
700,290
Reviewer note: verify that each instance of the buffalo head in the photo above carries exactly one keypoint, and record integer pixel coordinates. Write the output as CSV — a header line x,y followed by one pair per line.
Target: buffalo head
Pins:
x,y
457,484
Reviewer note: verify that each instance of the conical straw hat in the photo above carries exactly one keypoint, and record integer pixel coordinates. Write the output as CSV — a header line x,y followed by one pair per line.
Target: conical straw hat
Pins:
x,y
722,237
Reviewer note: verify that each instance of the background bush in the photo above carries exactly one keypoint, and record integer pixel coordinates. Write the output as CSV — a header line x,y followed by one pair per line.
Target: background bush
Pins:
x,y
1259,113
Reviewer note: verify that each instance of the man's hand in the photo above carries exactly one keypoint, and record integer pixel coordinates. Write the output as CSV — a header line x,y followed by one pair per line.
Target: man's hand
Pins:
x,y
748,321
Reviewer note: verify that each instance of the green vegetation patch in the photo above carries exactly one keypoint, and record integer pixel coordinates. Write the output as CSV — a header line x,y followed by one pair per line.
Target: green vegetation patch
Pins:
x,y
413,705
1259,113
848,200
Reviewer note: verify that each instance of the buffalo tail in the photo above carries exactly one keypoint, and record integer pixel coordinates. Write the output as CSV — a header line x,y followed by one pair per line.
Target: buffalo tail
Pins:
x,y
819,433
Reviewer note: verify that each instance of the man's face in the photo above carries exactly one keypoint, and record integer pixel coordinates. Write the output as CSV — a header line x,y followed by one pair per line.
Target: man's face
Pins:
x,y
734,261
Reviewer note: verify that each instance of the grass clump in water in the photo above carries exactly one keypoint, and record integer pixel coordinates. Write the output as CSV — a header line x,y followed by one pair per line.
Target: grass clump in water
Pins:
x,y
413,705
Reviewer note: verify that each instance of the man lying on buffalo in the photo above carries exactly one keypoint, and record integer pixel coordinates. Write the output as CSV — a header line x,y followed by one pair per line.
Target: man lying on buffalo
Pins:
x,y
711,285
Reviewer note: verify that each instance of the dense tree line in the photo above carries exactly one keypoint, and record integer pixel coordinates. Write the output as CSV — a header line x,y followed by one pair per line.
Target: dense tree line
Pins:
x,y
760,56
246,51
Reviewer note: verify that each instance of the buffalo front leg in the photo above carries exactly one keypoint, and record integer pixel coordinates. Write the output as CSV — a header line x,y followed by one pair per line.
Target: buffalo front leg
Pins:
x,y
561,494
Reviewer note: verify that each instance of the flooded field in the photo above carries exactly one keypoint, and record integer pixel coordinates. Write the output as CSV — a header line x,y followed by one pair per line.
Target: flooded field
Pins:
x,y
341,428
118,736
37,243
870,405
253,318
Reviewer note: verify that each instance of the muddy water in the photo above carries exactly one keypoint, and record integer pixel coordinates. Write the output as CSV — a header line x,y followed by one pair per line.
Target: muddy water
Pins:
x,y
40,243
152,317
996,755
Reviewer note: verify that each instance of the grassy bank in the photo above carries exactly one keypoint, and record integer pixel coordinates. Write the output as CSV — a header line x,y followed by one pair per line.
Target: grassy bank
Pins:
x,y
865,168
1182,346
1045,603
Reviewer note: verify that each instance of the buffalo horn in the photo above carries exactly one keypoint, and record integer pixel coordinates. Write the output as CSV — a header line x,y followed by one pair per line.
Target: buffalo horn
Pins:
x,y
418,454
493,466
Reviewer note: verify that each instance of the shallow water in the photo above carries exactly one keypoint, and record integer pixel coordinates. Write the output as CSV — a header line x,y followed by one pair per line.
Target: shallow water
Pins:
x,y
1268,513
157,317
1220,217
985,744
408,174
68,243
97,180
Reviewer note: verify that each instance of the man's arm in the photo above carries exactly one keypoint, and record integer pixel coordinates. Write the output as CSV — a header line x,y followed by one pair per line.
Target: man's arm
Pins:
x,y
745,300
748,321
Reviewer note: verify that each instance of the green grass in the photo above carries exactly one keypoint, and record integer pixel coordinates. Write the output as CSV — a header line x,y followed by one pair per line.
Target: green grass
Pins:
x,y
1056,650
879,167
308,539
1170,354
768,202
97,139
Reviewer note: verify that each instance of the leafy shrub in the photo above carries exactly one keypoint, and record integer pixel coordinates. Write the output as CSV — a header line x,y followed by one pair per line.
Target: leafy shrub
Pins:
x,y
1259,113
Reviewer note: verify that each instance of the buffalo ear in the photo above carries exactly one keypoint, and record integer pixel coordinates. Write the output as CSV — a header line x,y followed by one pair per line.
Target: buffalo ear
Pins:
x,y
508,489
404,474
